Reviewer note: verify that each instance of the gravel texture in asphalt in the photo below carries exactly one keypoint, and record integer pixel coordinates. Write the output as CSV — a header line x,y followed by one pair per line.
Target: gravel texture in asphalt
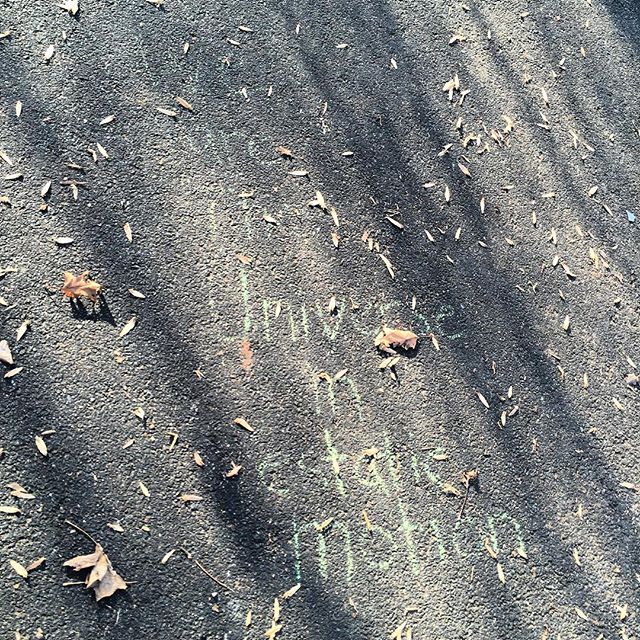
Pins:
x,y
294,176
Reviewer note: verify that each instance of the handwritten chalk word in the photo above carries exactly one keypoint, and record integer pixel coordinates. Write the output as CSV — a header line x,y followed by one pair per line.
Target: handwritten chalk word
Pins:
x,y
340,550
271,318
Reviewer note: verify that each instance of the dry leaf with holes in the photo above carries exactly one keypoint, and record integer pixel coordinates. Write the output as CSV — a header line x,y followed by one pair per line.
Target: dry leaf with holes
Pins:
x,y
102,578
80,286
388,338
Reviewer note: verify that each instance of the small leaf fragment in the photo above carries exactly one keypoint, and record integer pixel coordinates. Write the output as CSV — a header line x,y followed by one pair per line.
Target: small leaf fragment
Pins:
x,y
128,327
482,399
184,104
19,569
41,445
244,424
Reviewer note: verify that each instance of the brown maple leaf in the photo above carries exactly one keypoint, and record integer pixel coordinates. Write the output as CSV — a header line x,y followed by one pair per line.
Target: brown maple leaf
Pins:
x,y
80,286
102,578
388,338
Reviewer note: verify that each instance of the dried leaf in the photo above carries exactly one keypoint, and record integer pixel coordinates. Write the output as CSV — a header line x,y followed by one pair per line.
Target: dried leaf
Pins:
x,y
5,353
69,5
32,566
167,556
42,446
128,327
291,592
234,471
244,424
9,509
197,458
102,578
143,489
19,569
500,571
13,372
80,286
116,526
102,150
464,169
167,112
387,263
482,399
136,294
184,104
388,338
190,497
489,549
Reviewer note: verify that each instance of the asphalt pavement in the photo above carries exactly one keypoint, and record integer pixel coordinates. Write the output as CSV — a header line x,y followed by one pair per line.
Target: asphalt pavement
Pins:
x,y
260,188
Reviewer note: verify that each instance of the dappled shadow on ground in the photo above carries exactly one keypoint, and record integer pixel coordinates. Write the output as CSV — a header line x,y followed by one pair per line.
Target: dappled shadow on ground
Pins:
x,y
541,465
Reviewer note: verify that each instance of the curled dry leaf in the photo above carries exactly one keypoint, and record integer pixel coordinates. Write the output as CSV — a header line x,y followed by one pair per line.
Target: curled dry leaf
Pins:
x,y
102,578
80,286
388,338
244,424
